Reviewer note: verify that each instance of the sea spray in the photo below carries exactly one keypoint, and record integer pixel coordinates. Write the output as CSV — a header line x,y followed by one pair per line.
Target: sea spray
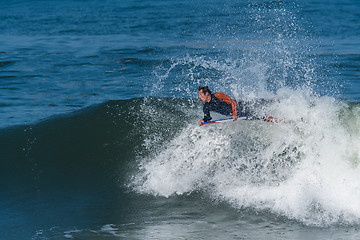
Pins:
x,y
301,168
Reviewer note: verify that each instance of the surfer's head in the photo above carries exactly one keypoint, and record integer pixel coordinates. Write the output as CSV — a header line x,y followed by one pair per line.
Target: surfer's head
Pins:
x,y
204,94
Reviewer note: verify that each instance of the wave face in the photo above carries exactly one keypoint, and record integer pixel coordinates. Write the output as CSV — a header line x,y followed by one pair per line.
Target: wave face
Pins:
x,y
90,145
97,144
304,168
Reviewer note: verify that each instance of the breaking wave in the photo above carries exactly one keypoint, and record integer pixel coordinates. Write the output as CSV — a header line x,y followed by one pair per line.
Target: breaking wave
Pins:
x,y
305,168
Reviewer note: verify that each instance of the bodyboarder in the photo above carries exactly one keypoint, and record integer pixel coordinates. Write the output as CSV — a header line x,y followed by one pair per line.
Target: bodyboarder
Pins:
x,y
223,104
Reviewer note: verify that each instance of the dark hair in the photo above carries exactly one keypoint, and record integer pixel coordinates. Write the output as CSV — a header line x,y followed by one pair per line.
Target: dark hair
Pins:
x,y
205,89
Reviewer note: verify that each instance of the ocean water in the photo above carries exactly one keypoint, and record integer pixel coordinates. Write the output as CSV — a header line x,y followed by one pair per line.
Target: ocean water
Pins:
x,y
99,110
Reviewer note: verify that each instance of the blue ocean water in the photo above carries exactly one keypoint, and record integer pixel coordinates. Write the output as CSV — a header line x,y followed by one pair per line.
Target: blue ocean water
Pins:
x,y
59,56
99,112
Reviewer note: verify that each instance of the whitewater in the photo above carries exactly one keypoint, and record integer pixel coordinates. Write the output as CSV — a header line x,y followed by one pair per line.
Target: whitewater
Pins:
x,y
304,168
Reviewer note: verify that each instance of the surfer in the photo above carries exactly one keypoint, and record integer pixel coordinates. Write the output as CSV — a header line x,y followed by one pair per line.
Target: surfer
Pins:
x,y
223,104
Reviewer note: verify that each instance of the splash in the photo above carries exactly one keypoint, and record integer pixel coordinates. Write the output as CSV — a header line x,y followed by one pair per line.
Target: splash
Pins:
x,y
270,51
305,169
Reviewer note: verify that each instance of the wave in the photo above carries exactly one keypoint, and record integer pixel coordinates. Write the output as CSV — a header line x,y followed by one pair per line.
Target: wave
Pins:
x,y
96,144
89,144
305,168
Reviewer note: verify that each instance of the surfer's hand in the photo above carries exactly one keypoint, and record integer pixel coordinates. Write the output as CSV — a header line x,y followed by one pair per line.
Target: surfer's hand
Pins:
x,y
201,122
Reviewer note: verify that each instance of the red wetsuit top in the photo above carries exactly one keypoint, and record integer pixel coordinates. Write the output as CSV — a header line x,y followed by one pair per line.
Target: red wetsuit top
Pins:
x,y
220,103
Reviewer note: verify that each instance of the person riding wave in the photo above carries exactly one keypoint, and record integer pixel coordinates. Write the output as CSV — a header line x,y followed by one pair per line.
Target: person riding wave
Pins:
x,y
223,104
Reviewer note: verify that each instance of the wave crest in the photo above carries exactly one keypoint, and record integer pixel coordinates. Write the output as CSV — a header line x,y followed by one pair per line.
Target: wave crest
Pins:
x,y
305,168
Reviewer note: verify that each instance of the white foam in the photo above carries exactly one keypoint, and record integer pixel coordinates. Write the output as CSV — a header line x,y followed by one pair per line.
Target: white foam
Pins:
x,y
306,168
